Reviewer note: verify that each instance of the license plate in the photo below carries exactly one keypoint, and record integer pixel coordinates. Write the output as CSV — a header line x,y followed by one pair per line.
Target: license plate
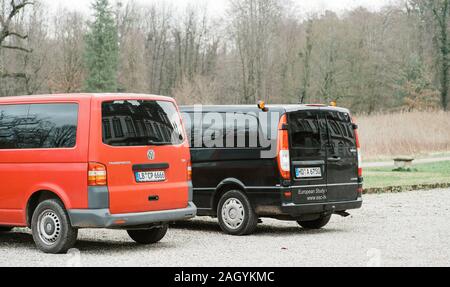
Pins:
x,y
150,176
308,172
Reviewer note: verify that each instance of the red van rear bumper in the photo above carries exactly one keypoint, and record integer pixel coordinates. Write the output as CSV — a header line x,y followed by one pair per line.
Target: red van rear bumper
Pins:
x,y
102,218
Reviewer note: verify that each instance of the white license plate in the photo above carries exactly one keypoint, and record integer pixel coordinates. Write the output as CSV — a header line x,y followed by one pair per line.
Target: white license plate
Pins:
x,y
308,172
150,176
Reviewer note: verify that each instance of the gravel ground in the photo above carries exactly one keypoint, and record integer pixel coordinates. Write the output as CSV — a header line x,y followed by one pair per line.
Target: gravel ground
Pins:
x,y
406,229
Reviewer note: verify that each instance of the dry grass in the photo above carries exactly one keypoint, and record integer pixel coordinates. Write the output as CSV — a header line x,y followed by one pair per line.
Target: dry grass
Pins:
x,y
414,133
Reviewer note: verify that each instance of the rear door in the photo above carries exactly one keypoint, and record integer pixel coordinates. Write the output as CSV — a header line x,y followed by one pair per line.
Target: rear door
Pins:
x,y
308,138
342,157
146,154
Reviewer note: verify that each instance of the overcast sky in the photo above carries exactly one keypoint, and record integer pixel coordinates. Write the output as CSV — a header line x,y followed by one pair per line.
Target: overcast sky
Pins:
x,y
217,7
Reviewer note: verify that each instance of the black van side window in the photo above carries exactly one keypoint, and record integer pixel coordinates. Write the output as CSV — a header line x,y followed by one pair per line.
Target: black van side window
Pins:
x,y
213,131
242,130
304,130
188,119
223,130
35,126
341,129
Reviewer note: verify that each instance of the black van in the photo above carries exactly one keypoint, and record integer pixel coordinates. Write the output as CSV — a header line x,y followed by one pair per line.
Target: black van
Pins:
x,y
289,162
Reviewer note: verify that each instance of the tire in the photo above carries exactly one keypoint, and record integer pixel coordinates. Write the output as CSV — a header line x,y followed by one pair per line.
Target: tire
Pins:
x,y
50,216
236,215
315,224
5,229
148,236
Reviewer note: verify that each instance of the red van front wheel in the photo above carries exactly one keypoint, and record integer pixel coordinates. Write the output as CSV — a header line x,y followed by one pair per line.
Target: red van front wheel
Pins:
x,y
148,236
51,228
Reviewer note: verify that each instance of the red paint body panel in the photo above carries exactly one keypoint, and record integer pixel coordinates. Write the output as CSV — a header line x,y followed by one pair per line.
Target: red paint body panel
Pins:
x,y
64,171
126,195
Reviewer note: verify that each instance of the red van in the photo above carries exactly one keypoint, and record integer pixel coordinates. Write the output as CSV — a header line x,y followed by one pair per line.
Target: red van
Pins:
x,y
92,161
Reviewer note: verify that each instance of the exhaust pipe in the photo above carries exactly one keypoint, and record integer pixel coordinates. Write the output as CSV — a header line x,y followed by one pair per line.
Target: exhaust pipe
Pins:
x,y
342,213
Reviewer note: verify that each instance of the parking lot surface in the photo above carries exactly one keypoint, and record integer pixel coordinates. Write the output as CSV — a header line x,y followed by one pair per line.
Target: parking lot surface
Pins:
x,y
405,229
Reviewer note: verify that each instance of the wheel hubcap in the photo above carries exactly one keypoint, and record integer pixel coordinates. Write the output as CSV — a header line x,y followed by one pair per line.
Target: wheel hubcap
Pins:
x,y
233,213
49,227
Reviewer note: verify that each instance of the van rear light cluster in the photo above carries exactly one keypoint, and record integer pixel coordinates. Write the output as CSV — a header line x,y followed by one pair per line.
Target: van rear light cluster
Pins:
x,y
283,157
189,171
358,148
97,174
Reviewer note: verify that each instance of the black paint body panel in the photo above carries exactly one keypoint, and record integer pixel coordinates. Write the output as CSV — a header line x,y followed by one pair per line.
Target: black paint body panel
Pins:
x,y
218,169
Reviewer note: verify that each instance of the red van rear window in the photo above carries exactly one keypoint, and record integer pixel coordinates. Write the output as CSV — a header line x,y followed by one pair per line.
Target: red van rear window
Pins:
x,y
141,123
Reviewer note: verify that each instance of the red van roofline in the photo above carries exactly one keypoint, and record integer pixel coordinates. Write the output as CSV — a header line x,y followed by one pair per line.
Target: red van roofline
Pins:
x,y
78,96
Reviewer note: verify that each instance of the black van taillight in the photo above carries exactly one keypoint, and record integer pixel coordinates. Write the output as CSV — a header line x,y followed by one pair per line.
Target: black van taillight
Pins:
x,y
358,148
283,157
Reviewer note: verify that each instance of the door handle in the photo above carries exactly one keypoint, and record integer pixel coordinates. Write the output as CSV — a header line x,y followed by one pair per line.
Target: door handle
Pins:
x,y
334,159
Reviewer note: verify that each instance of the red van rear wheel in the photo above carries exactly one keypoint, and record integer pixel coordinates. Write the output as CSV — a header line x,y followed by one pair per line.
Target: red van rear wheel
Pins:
x,y
51,228
148,236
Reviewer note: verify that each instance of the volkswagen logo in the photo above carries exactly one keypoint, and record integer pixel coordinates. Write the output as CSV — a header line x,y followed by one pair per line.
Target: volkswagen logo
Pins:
x,y
151,154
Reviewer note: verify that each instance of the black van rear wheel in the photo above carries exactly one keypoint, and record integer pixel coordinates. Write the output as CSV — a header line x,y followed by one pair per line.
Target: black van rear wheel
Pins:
x,y
51,228
315,224
235,213
148,236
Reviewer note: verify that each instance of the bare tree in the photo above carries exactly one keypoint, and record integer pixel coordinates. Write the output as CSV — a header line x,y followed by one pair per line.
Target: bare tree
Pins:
x,y
9,33
306,55
437,12
157,44
67,64
253,28
441,13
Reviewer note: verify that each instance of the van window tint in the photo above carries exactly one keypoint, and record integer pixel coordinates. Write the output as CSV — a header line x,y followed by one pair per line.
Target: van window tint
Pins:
x,y
242,130
223,130
340,129
141,123
304,130
36,126
188,119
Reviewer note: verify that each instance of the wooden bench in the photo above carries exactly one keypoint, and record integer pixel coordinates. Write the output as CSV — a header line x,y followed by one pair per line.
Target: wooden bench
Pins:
x,y
403,162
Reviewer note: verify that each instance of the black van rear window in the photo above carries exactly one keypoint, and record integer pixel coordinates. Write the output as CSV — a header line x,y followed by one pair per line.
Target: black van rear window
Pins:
x,y
340,128
35,126
141,123
304,130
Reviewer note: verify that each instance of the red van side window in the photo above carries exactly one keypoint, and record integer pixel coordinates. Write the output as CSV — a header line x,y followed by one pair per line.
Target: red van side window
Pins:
x,y
36,126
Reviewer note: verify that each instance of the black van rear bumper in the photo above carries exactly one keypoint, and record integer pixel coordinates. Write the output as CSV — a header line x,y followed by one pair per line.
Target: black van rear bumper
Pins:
x,y
297,210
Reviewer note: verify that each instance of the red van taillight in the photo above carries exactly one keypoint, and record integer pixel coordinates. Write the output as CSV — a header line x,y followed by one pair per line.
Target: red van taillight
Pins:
x,y
358,148
189,171
283,158
96,174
